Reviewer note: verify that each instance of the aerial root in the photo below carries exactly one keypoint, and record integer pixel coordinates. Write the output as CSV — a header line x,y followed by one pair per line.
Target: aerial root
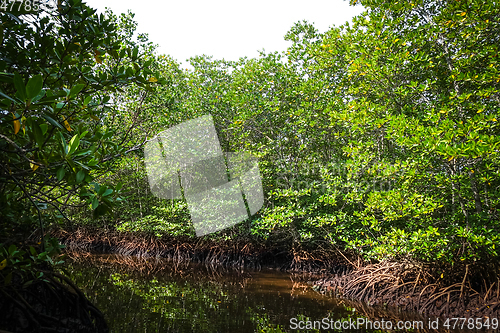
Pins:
x,y
243,254
411,286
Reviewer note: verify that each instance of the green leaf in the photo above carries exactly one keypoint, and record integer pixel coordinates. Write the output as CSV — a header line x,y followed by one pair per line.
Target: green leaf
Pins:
x,y
52,121
102,189
107,192
80,176
19,84
60,173
10,99
39,96
34,86
6,77
92,162
44,128
8,279
27,283
95,203
37,131
87,100
83,152
101,210
84,166
96,186
64,145
75,90
74,143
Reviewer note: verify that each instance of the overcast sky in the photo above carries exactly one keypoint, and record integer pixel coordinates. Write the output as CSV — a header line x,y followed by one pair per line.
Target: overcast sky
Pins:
x,y
223,28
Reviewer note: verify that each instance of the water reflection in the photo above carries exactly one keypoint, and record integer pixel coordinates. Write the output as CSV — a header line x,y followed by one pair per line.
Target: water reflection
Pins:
x,y
153,295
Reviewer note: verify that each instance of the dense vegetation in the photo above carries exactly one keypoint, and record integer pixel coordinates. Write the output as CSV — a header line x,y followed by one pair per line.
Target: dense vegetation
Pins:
x,y
379,137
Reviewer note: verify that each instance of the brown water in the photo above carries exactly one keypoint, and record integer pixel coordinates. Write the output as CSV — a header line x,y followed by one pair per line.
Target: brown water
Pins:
x,y
138,295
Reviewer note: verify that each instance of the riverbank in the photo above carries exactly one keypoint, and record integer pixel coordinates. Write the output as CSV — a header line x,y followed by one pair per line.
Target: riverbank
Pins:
x,y
460,291
216,253
414,287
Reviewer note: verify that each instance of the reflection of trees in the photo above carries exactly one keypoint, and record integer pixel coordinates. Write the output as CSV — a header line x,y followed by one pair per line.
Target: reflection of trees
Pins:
x,y
157,295
133,299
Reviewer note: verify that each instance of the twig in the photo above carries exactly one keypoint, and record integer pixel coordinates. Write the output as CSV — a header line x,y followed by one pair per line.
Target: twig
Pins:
x,y
463,281
35,205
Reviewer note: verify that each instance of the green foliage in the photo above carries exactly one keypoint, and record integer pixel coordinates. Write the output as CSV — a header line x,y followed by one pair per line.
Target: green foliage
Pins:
x,y
382,136
17,262
420,86
172,221
58,76
379,136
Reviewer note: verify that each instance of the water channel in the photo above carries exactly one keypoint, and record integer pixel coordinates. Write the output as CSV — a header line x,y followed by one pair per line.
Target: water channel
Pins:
x,y
155,295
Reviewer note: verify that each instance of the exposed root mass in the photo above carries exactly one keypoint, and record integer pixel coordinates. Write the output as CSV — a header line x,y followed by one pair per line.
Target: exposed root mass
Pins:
x,y
208,252
412,287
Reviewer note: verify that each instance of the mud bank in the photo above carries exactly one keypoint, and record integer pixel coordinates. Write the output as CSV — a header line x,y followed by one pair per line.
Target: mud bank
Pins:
x,y
409,286
414,287
241,254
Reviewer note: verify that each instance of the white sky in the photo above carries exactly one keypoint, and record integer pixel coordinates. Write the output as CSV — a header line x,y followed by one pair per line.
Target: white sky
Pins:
x,y
224,28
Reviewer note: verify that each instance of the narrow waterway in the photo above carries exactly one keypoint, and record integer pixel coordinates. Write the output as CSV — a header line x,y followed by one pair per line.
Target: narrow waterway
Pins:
x,y
152,295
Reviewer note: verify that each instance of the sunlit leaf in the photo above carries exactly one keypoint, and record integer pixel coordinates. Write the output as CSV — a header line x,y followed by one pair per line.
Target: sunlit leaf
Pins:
x,y
66,124
17,124
74,143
